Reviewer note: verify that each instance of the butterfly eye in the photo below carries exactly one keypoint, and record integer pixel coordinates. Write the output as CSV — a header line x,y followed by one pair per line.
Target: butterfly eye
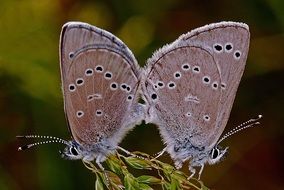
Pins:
x,y
74,151
215,153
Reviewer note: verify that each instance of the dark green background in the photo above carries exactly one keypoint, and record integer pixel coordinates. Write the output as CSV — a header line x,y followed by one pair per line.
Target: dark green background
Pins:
x,y
31,100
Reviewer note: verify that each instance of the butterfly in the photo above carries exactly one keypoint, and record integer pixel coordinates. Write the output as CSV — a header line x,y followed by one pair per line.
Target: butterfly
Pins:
x,y
190,86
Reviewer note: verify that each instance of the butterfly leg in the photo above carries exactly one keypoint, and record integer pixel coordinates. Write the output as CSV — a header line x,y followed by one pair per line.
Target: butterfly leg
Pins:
x,y
98,162
192,170
129,153
157,155
90,166
125,151
200,171
178,164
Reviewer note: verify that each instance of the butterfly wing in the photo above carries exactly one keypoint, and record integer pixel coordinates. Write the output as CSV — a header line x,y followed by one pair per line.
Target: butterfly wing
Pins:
x,y
100,80
229,42
178,88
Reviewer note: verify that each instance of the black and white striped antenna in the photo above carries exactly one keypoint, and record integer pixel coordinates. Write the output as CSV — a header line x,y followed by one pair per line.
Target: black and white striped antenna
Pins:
x,y
51,140
248,124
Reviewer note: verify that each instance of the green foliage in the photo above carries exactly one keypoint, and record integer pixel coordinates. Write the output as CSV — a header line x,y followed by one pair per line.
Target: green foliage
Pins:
x,y
117,175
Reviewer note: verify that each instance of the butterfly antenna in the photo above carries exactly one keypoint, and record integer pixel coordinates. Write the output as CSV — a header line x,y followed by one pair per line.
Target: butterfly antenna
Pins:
x,y
250,123
52,140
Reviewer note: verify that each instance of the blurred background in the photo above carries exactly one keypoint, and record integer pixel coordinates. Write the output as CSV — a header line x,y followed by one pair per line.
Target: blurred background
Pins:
x,y
31,99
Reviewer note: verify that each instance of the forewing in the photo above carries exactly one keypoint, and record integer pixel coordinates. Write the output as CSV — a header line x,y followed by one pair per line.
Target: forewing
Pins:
x,y
100,79
229,44
179,89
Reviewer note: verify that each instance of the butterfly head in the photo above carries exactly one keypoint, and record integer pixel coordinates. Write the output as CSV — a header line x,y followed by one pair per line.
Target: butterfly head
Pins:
x,y
72,151
217,153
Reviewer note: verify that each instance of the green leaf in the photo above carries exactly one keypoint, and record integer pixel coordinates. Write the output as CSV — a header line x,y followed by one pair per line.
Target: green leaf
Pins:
x,y
168,167
166,185
175,184
116,187
103,178
138,163
167,170
98,184
148,179
179,175
115,165
182,179
114,179
119,177
143,186
130,183
111,181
